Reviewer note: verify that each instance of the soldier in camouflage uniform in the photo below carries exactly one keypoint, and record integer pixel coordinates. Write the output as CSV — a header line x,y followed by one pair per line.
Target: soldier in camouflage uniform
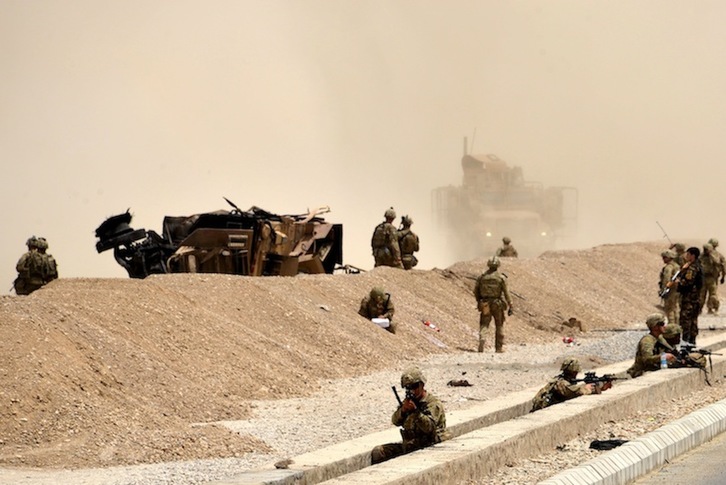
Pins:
x,y
421,416
565,387
690,282
384,242
719,257
50,267
647,355
680,250
30,267
671,301
492,296
408,243
712,271
507,250
378,304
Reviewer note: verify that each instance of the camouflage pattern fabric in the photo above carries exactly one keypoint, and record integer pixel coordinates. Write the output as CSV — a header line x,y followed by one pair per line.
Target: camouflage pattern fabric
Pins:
x,y
491,288
561,389
713,269
419,429
647,356
689,287
408,243
31,272
507,251
384,244
671,303
383,308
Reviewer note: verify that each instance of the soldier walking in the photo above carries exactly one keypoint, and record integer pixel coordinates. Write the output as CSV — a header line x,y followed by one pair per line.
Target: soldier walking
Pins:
x,y
671,301
712,270
507,250
492,296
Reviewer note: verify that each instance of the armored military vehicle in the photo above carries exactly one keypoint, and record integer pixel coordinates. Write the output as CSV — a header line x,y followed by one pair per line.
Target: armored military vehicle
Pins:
x,y
253,242
494,201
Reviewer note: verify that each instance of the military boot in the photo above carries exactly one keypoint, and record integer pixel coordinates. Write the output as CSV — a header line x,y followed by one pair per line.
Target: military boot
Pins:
x,y
481,346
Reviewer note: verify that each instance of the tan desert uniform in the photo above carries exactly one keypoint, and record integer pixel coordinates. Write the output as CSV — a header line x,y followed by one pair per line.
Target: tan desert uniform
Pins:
x,y
647,355
712,271
671,303
492,296
507,250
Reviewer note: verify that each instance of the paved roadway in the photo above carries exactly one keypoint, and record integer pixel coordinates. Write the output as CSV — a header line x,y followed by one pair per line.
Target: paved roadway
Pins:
x,y
704,465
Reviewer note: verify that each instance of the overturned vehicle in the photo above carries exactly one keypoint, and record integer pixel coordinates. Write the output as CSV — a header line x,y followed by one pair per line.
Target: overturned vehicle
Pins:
x,y
253,242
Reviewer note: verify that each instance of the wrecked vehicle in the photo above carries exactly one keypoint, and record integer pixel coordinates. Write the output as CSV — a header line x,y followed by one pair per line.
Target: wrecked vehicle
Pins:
x,y
252,243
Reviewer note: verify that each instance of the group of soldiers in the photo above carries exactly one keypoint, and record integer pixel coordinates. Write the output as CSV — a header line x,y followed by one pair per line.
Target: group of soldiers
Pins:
x,y
394,247
689,282
36,267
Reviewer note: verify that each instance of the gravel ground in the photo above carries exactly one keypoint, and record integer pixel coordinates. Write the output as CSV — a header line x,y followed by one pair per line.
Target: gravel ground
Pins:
x,y
349,408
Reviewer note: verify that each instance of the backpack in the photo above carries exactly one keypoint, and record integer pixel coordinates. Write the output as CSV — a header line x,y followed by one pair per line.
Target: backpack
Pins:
x,y
35,266
379,236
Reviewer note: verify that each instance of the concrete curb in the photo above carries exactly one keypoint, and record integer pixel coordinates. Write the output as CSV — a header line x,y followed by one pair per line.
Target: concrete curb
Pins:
x,y
639,457
486,436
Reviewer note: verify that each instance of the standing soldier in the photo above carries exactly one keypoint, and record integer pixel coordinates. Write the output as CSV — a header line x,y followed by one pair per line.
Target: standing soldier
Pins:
x,y
492,296
50,267
408,242
507,250
30,269
384,242
712,270
680,250
671,298
690,282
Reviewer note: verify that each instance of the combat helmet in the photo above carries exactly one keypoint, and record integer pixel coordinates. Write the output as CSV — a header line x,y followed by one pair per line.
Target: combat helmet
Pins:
x,y
390,213
493,262
32,242
377,293
708,247
668,253
654,319
42,243
672,330
411,376
571,365
713,242
506,240
406,221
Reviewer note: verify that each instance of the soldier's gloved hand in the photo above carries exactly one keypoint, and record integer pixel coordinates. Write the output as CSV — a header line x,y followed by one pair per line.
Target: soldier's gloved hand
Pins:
x,y
510,311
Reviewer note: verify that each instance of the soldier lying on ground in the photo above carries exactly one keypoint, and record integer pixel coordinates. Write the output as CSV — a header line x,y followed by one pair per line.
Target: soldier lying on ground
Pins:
x,y
566,386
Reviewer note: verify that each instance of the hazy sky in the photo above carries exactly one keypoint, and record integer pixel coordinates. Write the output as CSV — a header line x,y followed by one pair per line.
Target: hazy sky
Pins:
x,y
165,107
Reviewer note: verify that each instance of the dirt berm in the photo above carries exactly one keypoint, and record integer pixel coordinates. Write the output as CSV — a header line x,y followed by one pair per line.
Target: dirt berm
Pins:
x,y
102,372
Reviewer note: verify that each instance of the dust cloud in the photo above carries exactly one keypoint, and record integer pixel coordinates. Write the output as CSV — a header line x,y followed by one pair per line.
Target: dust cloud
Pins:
x,y
165,107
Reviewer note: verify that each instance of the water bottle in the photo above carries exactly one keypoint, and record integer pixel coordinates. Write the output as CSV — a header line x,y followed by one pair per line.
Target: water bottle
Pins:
x,y
663,361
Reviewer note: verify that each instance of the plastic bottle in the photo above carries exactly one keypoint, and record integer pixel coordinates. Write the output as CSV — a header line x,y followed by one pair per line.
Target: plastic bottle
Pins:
x,y
431,325
663,361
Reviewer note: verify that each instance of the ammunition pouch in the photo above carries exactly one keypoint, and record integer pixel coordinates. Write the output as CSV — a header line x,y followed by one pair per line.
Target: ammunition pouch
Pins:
x,y
484,307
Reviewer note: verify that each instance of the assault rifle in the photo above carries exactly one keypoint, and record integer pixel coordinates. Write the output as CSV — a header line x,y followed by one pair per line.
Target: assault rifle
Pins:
x,y
666,291
684,359
591,378
420,406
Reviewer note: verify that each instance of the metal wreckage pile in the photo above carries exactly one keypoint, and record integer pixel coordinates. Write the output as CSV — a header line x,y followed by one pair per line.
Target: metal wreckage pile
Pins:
x,y
252,243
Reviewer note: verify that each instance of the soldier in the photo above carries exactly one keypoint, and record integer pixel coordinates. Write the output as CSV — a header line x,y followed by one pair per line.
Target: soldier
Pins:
x,y
507,250
492,296
378,304
384,242
49,264
650,347
421,415
690,282
717,254
680,250
671,299
30,269
565,386
408,243
712,270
